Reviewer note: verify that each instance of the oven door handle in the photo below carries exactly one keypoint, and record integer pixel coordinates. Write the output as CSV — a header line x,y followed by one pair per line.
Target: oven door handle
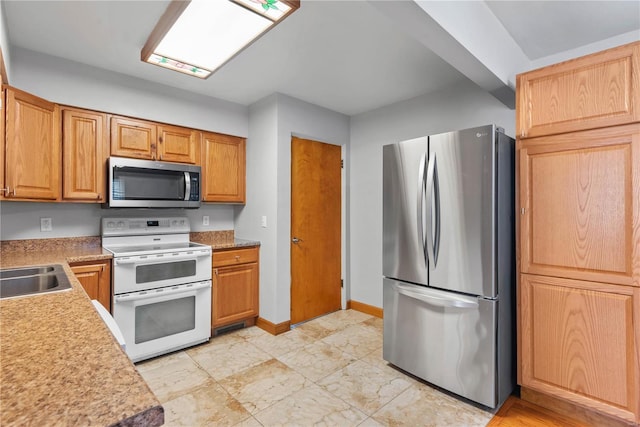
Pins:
x,y
161,257
162,292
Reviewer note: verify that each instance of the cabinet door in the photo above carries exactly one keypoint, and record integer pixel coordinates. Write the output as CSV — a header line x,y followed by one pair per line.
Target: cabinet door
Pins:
x,y
177,144
580,205
235,294
223,168
594,91
577,342
133,138
84,153
3,139
32,147
95,278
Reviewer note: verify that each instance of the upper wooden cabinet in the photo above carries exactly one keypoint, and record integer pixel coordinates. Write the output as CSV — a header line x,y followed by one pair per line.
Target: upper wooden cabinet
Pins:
x,y
598,90
580,205
223,168
148,140
85,150
177,144
32,152
3,139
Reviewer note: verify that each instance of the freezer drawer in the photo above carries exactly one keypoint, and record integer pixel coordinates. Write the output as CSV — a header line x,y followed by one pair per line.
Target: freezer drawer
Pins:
x,y
446,339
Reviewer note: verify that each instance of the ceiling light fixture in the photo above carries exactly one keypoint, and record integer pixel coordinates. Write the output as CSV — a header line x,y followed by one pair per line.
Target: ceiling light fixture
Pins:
x,y
196,37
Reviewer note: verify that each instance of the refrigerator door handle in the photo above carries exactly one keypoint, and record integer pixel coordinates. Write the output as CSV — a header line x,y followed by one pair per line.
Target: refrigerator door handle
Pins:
x,y
433,194
421,185
427,296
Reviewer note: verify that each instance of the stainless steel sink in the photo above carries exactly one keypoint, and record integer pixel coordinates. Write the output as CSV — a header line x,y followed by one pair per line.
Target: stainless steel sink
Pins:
x,y
27,271
25,281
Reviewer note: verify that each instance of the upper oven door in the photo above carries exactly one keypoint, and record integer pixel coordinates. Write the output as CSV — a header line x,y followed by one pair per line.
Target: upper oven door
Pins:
x,y
142,272
145,183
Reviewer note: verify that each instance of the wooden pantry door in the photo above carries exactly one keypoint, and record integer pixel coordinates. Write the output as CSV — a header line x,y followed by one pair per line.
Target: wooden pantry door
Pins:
x,y
315,229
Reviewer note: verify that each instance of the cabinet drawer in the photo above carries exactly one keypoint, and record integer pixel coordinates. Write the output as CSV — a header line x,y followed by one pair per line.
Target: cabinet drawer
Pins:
x,y
234,256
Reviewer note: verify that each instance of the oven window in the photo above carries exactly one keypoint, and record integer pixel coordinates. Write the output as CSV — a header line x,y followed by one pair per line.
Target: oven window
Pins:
x,y
165,318
170,270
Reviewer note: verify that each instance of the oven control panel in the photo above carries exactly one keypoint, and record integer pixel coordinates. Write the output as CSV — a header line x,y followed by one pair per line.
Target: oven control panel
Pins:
x,y
141,226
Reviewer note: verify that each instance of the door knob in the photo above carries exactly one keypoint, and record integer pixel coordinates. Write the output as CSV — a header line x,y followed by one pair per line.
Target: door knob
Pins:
x,y
296,240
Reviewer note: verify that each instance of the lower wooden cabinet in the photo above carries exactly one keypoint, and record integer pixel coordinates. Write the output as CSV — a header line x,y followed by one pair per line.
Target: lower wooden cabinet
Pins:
x,y
579,342
235,286
95,277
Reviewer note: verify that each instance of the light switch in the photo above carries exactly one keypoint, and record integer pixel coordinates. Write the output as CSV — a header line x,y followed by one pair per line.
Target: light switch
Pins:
x,y
263,222
205,220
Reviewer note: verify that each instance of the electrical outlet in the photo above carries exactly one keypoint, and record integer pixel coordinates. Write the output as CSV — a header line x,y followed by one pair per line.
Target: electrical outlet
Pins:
x,y
46,224
205,220
263,222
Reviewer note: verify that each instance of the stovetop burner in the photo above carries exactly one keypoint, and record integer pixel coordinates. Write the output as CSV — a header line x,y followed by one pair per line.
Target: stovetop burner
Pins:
x,y
145,236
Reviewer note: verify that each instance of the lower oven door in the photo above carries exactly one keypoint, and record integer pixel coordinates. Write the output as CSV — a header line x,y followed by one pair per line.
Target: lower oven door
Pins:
x,y
162,320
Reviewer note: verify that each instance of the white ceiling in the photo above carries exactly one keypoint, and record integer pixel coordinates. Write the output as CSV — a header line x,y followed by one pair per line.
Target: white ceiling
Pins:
x,y
342,55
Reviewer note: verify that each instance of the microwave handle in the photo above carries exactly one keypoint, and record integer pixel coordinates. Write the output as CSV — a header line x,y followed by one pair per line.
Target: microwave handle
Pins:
x,y
187,186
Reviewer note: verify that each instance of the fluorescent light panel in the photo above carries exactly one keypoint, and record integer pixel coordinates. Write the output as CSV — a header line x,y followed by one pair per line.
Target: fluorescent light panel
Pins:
x,y
210,32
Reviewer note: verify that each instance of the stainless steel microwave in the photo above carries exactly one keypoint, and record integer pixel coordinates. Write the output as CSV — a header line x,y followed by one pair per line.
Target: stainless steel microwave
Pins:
x,y
135,183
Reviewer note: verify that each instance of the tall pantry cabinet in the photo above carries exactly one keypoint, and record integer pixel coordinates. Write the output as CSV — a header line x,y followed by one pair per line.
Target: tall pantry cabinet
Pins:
x,y
578,131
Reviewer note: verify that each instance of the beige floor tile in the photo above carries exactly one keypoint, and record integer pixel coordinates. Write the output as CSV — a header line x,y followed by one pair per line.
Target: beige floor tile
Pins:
x,y
250,332
314,329
249,422
207,405
376,322
317,360
311,406
364,386
357,340
341,319
425,406
264,384
277,345
172,376
222,360
370,422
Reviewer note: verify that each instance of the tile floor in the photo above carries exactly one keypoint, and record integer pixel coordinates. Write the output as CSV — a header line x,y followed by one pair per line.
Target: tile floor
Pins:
x,y
328,371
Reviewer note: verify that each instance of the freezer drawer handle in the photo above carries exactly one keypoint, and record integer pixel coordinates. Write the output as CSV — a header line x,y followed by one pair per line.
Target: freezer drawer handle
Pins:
x,y
434,300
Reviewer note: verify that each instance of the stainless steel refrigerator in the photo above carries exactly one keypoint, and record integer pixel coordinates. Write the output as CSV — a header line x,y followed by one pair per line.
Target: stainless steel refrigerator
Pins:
x,y
448,261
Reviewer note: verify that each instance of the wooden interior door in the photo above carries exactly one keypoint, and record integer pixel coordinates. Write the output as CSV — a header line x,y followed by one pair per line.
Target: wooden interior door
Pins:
x,y
315,229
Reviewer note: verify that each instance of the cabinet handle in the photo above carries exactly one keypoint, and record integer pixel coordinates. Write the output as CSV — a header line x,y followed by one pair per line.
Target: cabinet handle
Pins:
x,y
215,271
237,257
99,196
6,190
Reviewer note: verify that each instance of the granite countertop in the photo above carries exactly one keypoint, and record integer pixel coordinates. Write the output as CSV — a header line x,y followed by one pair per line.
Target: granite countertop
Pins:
x,y
221,240
59,364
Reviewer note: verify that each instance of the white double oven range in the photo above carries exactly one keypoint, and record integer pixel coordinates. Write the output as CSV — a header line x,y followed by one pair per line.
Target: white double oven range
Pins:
x,y
161,284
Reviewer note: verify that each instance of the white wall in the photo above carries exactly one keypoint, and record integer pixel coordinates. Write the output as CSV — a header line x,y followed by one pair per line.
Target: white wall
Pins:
x,y
71,83
21,220
271,177
262,167
462,107
4,42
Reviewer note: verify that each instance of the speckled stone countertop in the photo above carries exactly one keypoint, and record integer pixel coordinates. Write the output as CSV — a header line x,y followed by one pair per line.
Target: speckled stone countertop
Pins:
x,y
59,364
220,239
